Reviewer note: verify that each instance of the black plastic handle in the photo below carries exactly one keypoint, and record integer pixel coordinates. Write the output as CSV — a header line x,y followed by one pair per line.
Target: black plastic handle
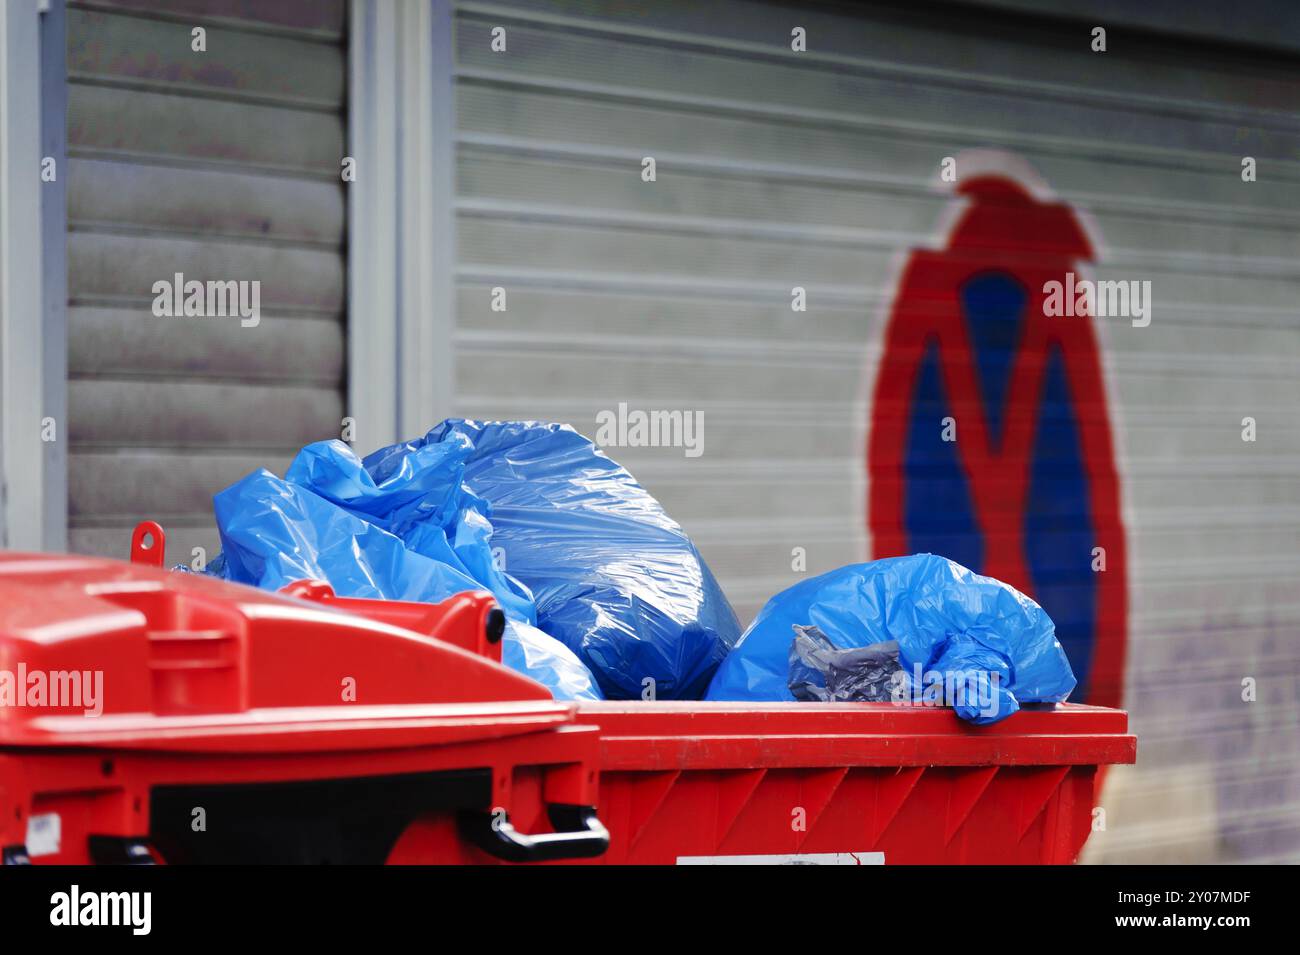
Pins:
x,y
578,835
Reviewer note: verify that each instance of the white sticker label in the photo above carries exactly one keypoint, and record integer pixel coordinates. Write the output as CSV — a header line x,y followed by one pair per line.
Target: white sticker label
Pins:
x,y
44,833
809,858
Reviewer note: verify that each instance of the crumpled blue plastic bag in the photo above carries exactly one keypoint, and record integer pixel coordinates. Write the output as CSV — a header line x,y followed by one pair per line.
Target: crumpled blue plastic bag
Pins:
x,y
948,621
611,574
400,528
527,650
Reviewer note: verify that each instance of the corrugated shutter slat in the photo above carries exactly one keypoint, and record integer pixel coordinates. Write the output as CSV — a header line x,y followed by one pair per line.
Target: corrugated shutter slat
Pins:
x,y
222,166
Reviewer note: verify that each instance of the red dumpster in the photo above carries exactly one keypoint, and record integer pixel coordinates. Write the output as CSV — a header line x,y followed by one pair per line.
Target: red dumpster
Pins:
x,y
849,783
237,725
151,716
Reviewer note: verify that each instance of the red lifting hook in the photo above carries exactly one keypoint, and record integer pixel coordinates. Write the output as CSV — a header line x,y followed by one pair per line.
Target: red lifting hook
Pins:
x,y
148,544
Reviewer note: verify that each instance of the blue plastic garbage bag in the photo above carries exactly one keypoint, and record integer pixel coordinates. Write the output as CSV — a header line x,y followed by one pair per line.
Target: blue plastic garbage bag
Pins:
x,y
406,532
955,629
527,650
612,575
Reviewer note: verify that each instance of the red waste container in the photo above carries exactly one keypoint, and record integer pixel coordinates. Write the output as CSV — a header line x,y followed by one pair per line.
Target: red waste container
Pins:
x,y
849,783
238,725
150,716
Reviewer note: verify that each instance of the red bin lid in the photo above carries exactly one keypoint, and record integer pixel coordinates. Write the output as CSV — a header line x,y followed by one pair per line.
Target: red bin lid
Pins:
x,y
101,652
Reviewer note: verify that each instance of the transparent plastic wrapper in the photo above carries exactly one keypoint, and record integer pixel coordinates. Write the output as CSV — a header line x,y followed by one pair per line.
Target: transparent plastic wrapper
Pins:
x,y
820,672
964,640
386,529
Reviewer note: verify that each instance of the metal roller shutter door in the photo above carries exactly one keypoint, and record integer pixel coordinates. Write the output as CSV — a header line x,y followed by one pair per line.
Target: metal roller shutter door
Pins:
x,y
219,165
818,170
